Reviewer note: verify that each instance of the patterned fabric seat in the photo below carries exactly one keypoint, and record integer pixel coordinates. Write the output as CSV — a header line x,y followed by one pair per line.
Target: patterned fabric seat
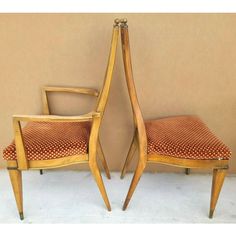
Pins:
x,y
184,137
51,140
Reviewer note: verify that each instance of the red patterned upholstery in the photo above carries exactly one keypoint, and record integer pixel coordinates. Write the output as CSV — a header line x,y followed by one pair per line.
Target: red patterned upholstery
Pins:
x,y
184,137
51,140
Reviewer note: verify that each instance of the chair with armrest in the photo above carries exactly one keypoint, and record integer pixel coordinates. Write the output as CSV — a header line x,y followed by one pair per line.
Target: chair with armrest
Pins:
x,y
52,141
182,141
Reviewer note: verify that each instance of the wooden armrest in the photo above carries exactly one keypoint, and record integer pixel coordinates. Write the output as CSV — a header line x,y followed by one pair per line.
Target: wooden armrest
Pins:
x,y
87,91
54,118
19,139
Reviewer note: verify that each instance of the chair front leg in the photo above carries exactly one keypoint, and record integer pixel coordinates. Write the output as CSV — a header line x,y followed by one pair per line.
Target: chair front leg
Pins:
x,y
16,181
217,183
101,156
139,170
129,157
98,178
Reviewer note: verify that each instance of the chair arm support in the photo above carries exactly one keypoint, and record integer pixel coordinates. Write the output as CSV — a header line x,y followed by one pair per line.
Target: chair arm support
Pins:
x,y
19,139
45,90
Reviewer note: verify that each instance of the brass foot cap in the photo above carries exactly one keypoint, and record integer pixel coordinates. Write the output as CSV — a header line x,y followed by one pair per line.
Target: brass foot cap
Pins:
x,y
211,214
21,216
108,175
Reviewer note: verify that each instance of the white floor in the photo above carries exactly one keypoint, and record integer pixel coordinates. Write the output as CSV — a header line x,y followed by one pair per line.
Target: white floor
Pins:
x,y
73,197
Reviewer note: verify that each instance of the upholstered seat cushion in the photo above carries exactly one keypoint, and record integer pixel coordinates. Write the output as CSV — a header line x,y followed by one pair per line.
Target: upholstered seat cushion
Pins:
x,y
51,140
184,137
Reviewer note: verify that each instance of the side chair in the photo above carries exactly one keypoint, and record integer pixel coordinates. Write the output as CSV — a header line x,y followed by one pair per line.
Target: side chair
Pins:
x,y
52,141
181,141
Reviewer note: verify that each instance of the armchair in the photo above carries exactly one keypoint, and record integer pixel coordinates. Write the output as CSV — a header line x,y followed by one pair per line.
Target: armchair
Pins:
x,y
49,141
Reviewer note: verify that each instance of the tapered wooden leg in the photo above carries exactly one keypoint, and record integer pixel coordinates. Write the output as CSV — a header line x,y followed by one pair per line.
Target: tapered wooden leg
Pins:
x,y
41,172
103,160
129,157
217,183
187,171
16,181
98,178
134,183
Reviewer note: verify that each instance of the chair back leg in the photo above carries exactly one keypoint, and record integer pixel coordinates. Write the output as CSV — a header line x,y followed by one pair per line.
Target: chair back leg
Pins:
x,y
129,157
137,175
102,158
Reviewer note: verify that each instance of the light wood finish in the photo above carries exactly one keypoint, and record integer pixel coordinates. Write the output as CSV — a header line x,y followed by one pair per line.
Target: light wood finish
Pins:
x,y
217,183
16,181
130,155
20,147
22,163
103,159
53,118
188,163
137,175
98,178
60,162
219,166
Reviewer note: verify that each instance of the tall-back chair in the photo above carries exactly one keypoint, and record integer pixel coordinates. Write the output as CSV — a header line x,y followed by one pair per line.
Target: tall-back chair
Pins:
x,y
50,141
182,141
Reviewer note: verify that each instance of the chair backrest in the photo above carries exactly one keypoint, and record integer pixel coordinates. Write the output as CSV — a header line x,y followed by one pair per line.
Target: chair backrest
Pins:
x,y
103,96
137,114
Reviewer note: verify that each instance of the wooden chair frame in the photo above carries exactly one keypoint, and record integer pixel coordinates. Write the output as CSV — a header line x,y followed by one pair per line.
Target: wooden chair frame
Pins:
x,y
15,168
139,141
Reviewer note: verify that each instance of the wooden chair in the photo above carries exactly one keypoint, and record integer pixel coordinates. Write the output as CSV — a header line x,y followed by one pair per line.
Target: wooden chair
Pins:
x,y
50,141
183,141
